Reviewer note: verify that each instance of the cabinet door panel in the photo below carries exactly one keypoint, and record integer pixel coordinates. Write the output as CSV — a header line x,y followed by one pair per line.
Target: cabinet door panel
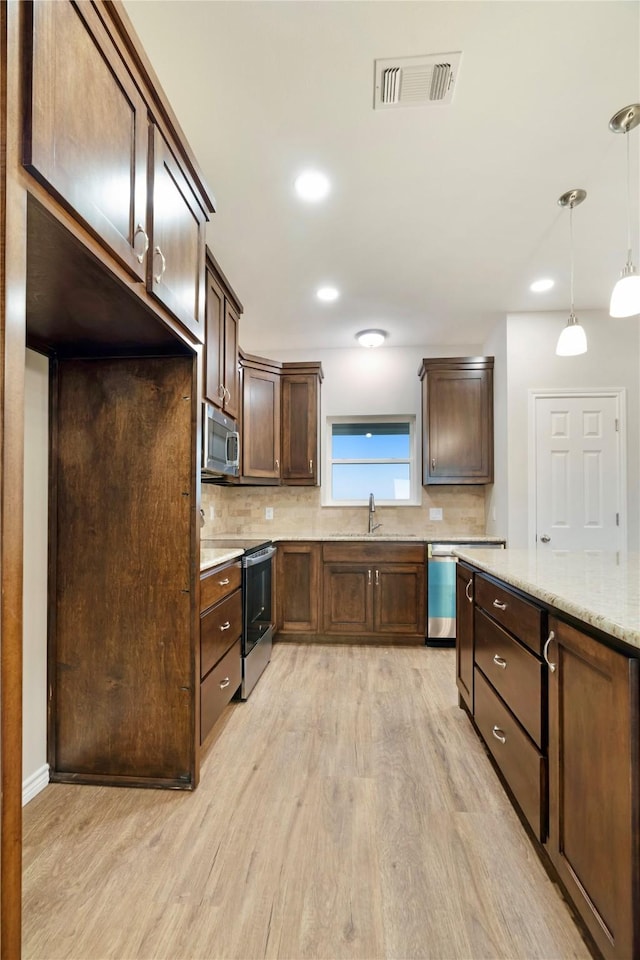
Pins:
x,y
399,599
230,367
261,424
177,257
459,419
464,634
297,588
593,745
347,598
299,435
86,126
214,365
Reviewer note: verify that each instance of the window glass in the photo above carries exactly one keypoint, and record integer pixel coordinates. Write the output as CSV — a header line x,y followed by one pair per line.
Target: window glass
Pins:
x,y
371,456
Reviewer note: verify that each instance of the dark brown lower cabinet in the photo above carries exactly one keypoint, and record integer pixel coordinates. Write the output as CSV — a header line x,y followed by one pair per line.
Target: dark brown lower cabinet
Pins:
x,y
594,754
374,591
297,588
464,635
220,634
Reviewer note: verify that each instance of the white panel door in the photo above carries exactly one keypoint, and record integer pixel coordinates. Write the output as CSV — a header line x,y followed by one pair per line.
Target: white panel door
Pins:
x,y
577,473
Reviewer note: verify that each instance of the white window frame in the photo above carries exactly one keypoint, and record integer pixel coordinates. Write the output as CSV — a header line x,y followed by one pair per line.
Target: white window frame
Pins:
x,y
415,489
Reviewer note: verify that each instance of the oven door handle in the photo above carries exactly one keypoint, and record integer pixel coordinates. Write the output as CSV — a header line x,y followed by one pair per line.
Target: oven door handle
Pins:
x,y
262,557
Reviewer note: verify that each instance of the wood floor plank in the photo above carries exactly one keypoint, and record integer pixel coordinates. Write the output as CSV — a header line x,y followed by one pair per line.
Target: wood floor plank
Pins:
x,y
346,810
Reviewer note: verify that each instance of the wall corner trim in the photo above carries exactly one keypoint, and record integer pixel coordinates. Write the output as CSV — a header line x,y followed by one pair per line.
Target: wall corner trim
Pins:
x,y
35,783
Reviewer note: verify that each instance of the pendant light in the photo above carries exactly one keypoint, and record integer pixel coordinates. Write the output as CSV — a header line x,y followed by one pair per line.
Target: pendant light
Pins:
x,y
573,340
625,299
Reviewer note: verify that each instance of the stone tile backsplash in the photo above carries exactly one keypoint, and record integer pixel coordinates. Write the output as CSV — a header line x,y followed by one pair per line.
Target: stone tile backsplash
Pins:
x,y
298,510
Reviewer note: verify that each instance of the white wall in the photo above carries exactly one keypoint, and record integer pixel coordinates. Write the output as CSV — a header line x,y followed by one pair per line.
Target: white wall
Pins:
x,y
497,497
531,363
36,477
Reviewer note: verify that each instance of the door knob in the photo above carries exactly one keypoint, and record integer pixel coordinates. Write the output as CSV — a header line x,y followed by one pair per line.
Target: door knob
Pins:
x,y
545,538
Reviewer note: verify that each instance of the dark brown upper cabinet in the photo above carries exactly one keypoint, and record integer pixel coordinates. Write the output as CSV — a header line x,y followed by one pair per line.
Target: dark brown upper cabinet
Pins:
x,y
86,131
300,387
221,381
457,420
260,446
176,264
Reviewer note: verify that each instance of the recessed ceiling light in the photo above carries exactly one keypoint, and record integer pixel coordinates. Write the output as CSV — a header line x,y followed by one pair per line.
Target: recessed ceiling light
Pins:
x,y
327,294
312,185
371,338
541,286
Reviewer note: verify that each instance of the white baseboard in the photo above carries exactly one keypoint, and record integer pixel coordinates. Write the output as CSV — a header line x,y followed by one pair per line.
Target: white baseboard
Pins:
x,y
35,783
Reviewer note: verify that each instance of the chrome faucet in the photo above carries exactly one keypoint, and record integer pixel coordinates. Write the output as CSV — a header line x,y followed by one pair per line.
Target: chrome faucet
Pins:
x,y
372,509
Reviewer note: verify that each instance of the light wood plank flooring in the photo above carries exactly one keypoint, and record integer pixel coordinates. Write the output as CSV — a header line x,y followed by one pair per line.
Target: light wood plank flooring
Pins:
x,y
347,810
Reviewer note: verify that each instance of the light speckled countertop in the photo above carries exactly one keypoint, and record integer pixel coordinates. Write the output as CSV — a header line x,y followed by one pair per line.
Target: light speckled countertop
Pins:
x,y
602,590
212,556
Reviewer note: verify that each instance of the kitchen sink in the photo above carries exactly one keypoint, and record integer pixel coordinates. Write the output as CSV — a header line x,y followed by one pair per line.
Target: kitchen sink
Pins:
x,y
375,536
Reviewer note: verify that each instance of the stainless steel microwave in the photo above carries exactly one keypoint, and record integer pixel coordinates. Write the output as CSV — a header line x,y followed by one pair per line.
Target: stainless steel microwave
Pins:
x,y
220,444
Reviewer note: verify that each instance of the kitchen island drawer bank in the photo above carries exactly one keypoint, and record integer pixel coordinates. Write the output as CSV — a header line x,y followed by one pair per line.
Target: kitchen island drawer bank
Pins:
x,y
555,695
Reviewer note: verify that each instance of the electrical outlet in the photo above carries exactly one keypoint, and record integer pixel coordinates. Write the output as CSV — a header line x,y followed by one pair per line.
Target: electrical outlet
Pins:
x,y
212,512
268,513
435,513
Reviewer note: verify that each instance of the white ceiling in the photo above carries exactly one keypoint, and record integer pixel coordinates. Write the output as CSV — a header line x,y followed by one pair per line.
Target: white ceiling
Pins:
x,y
439,217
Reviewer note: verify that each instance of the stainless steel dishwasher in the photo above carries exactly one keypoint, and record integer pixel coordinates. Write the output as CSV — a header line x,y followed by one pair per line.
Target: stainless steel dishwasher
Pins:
x,y
441,589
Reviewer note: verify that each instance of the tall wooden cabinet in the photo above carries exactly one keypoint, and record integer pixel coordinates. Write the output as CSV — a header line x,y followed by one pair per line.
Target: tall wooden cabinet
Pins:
x,y
221,377
594,794
457,420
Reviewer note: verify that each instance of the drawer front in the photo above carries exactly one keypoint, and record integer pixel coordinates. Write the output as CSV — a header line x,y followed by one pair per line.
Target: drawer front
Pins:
x,y
218,688
514,672
218,583
367,552
521,764
523,619
219,628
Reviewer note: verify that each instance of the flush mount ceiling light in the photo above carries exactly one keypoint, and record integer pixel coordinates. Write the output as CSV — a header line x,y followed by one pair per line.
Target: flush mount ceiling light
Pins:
x,y
371,338
573,340
312,186
625,299
541,286
327,294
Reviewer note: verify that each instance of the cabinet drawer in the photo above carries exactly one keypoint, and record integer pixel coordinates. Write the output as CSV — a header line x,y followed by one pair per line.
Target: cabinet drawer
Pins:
x,y
366,552
219,628
523,619
218,583
521,764
218,688
514,672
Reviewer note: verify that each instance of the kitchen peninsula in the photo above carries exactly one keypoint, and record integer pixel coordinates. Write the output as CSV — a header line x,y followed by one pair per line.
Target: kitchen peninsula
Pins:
x,y
548,669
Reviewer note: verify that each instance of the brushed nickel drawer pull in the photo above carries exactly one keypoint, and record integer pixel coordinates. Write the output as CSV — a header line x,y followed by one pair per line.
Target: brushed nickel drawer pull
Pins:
x,y
158,276
500,662
545,652
225,626
469,596
310,466
224,683
499,606
499,734
141,232
223,583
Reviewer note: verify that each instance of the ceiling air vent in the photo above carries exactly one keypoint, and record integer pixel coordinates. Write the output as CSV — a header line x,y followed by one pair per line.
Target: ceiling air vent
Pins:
x,y
415,81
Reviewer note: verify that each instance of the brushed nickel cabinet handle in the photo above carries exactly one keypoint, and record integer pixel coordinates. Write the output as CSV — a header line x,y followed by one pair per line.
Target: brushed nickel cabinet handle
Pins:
x,y
545,652
227,393
467,589
377,578
499,606
369,577
158,276
499,734
224,683
310,466
277,464
433,463
500,662
141,232
225,626
221,390
223,583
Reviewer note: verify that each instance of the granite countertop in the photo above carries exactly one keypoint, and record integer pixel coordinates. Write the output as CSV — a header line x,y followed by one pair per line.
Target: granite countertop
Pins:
x,y
600,589
366,537
214,556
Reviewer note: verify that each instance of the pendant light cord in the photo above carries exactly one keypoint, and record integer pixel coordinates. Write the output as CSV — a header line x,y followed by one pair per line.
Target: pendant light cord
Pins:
x,y
626,136
571,252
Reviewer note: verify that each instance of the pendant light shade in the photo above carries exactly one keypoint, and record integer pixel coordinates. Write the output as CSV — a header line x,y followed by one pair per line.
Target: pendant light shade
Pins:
x,y
573,340
625,299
